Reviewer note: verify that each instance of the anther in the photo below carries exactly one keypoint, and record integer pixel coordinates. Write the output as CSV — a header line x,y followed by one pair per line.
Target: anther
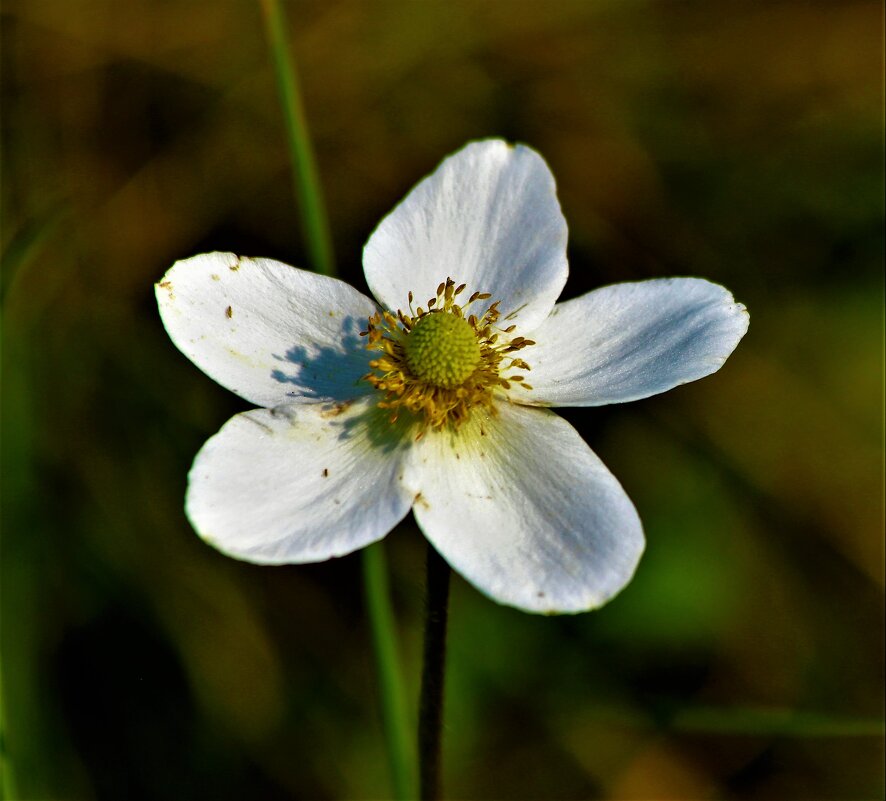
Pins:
x,y
439,362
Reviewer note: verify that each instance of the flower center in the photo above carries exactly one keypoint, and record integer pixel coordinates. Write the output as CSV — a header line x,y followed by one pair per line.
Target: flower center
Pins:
x,y
442,350
442,362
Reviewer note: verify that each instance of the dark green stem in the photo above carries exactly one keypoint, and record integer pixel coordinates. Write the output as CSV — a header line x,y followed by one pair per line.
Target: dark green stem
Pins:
x,y
433,675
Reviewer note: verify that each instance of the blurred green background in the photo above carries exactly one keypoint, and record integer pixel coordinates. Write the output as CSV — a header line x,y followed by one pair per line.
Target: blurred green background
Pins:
x,y
737,141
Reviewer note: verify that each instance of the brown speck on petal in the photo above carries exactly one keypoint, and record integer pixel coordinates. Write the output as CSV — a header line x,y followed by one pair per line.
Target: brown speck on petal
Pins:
x,y
336,409
229,312
420,501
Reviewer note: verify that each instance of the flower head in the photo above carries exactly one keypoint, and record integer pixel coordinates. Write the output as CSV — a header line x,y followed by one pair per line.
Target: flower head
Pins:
x,y
434,398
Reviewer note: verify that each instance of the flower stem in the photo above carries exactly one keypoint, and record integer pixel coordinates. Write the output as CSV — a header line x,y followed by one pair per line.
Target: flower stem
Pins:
x,y
393,699
433,675
306,183
309,196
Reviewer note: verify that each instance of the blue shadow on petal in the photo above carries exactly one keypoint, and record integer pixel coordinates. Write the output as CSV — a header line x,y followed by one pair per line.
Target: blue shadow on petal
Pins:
x,y
381,432
372,423
334,377
322,372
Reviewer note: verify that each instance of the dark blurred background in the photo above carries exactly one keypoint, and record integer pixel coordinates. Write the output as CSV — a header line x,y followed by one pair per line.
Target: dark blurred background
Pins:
x,y
737,141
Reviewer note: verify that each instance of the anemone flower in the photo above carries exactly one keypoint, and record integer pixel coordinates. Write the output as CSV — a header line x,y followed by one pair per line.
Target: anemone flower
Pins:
x,y
435,396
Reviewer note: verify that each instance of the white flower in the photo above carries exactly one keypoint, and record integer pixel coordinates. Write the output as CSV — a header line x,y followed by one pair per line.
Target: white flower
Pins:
x,y
433,399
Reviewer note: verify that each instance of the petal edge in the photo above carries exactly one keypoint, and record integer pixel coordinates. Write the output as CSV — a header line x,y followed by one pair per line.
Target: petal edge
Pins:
x,y
526,512
488,217
629,341
298,484
269,332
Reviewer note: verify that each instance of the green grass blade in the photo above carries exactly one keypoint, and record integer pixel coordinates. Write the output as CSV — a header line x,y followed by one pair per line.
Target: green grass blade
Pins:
x,y
306,183
394,714
378,603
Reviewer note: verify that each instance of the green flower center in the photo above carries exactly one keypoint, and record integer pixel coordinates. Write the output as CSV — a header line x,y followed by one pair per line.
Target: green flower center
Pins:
x,y
441,361
442,349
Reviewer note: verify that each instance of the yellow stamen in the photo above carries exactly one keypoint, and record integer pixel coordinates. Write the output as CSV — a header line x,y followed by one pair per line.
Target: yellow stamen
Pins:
x,y
441,363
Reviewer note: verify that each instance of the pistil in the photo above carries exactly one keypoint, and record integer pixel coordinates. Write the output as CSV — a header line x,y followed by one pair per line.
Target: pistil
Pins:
x,y
442,362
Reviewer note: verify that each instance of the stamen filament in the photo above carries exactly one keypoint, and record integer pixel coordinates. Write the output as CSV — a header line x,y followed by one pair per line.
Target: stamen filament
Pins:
x,y
440,362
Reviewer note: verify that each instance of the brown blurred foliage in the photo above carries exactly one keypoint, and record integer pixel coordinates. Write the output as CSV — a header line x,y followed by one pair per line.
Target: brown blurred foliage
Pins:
x,y
737,141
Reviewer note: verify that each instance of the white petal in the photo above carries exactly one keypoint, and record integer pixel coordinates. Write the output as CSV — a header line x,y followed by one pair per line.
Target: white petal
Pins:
x,y
526,512
488,217
267,331
299,483
630,341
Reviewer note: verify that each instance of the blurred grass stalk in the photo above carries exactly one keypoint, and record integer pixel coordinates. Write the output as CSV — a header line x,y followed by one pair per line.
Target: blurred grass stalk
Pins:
x,y
29,764
384,644
306,183
308,193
